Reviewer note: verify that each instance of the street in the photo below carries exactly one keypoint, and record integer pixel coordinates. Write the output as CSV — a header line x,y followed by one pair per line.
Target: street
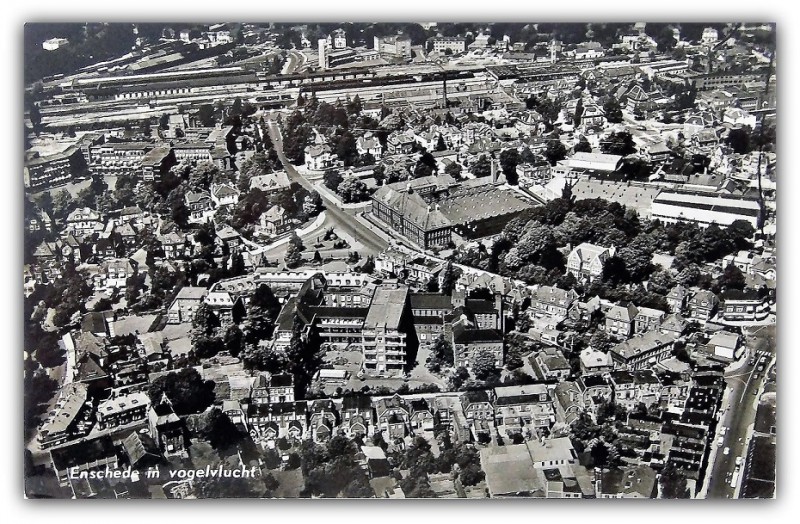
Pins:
x,y
739,411
347,221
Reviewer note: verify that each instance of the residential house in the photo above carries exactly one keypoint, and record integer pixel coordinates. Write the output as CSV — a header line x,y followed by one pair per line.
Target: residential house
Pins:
x,y
569,402
185,304
400,143
369,144
551,364
84,221
392,416
229,238
620,320
647,319
743,306
595,389
356,415
199,204
594,361
421,415
120,410
703,305
323,418
227,308
677,298
634,387
551,301
519,406
587,260
478,409
174,245
319,157
271,182
674,325
643,351
224,195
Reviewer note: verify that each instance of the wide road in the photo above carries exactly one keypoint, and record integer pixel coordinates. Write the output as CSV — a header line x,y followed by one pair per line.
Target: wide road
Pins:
x,y
740,410
342,217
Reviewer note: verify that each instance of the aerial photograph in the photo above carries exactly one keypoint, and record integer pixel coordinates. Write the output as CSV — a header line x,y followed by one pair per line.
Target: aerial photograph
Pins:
x,y
399,260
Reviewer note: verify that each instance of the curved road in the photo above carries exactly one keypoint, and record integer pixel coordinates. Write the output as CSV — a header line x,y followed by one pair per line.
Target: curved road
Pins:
x,y
344,218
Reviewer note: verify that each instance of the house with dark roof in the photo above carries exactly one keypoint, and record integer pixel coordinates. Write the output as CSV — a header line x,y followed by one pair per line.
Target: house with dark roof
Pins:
x,y
620,320
703,305
393,416
642,351
356,414
79,458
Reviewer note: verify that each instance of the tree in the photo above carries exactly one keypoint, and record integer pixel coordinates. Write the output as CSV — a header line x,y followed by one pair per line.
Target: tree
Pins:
x,y
583,146
484,365
612,110
482,167
233,340
673,483
187,391
739,140
440,145
218,429
352,189
509,158
454,170
450,276
732,278
576,119
442,351
555,151
620,143
426,165
332,179
293,257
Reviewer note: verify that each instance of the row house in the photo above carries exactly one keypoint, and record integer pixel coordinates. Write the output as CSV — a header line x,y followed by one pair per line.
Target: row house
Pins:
x,y
517,407
643,350
272,389
356,416
393,416
634,387
273,421
478,409
121,410
323,418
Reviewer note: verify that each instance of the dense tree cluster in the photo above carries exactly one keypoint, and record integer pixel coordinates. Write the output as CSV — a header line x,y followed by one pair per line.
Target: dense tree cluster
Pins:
x,y
187,391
